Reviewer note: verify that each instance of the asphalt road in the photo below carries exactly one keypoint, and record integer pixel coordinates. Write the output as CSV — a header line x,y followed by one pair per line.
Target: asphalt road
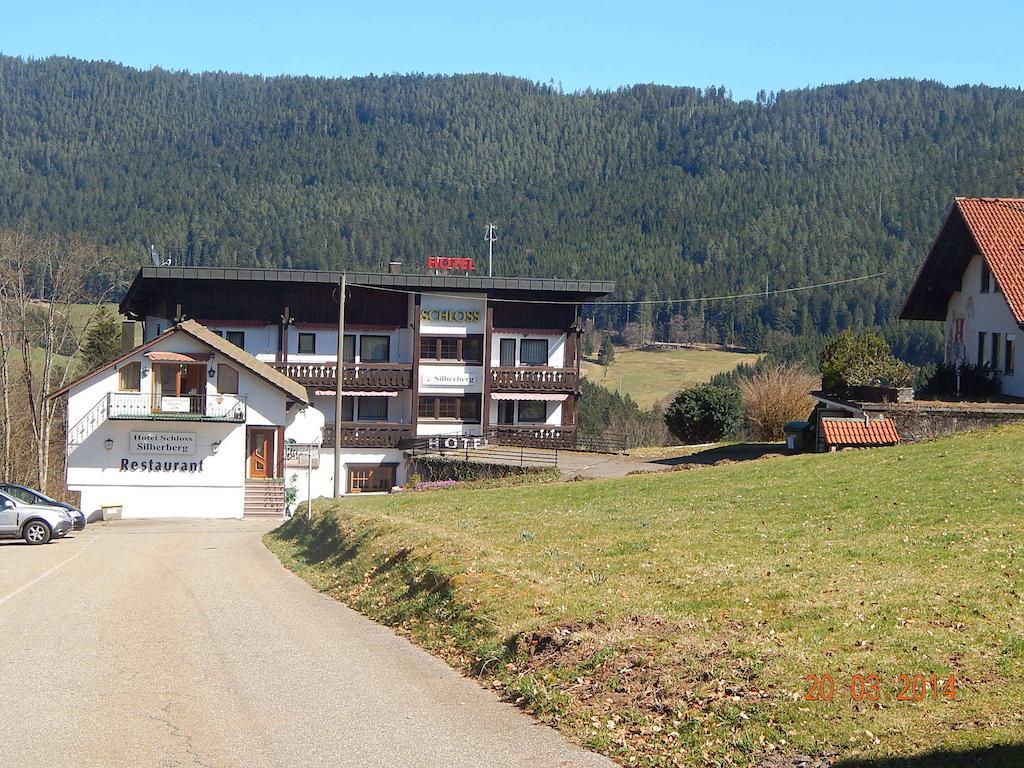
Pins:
x,y
185,643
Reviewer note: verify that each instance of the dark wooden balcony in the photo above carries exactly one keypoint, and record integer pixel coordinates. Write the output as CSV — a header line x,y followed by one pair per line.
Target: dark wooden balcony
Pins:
x,y
533,435
534,379
369,434
369,376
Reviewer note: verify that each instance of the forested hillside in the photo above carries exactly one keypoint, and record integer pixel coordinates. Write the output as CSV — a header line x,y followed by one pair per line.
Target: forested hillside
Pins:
x,y
672,192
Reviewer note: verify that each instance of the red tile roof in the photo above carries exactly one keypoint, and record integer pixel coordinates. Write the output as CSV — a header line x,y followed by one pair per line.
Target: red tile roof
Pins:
x,y
841,433
990,226
997,225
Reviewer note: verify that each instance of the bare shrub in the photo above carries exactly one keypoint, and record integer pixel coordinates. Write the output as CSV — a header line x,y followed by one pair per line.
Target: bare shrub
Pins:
x,y
775,395
646,428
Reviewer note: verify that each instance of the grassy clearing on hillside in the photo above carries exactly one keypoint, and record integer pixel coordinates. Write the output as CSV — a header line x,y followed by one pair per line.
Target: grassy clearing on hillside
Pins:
x,y
672,619
648,376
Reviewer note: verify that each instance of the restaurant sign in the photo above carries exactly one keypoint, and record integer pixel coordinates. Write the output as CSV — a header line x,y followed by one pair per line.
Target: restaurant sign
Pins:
x,y
163,443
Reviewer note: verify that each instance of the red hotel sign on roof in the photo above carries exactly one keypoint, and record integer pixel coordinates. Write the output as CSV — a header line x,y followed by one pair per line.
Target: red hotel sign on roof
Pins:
x,y
450,262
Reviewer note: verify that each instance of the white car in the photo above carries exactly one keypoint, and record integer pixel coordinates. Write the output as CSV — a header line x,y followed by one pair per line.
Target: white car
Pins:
x,y
35,524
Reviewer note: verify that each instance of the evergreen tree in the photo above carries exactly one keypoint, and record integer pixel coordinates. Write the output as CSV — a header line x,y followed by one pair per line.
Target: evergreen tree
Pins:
x,y
102,341
607,354
586,345
705,413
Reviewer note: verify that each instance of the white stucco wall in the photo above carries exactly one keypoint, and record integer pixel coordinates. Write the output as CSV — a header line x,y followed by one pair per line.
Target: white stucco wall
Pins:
x,y
214,488
322,477
988,313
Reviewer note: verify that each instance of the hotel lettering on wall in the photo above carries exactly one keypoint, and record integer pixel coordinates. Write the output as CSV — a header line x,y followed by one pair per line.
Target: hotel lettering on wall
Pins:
x,y
456,443
450,262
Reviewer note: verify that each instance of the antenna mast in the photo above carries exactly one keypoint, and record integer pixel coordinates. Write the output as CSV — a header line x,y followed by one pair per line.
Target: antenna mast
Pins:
x,y
490,237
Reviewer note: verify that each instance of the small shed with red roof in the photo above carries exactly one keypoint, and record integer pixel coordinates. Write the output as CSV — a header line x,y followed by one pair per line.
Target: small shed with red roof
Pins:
x,y
839,433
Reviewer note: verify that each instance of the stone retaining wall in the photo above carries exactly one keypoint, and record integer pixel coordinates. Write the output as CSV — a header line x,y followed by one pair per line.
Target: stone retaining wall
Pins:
x,y
915,424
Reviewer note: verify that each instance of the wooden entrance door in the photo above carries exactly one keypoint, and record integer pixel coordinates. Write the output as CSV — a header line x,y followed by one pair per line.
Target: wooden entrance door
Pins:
x,y
261,453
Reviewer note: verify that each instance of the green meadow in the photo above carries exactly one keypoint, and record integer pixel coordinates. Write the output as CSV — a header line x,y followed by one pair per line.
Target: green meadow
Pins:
x,y
683,618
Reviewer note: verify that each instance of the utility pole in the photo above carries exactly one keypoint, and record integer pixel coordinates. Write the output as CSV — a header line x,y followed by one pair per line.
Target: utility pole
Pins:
x,y
490,237
338,423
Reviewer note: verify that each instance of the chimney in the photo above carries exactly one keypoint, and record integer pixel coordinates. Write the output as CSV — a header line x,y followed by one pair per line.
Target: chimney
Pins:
x,y
127,336
394,267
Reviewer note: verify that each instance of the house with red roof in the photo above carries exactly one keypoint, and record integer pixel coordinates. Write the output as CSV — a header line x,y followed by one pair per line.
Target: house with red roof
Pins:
x,y
973,281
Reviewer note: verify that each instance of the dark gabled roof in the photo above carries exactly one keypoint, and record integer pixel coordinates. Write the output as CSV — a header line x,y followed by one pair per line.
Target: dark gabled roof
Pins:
x,y
990,226
578,290
202,334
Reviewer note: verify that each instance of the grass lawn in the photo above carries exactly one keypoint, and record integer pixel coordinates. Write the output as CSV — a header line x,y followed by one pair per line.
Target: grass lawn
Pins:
x,y
648,377
674,619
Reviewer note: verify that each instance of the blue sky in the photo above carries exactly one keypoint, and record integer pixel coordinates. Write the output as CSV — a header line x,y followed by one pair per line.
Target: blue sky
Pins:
x,y
742,45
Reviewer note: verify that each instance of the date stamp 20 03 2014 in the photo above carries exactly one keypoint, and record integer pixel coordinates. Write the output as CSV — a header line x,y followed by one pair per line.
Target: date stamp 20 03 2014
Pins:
x,y
873,687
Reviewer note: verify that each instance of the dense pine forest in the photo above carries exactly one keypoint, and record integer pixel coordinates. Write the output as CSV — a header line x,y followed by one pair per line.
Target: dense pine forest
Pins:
x,y
672,192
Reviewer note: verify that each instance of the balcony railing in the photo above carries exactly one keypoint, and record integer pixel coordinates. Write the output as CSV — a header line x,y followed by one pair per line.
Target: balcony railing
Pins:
x,y
533,435
383,376
357,434
534,379
143,405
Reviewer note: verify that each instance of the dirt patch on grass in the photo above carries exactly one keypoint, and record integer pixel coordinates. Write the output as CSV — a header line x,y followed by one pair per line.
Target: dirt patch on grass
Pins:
x,y
648,691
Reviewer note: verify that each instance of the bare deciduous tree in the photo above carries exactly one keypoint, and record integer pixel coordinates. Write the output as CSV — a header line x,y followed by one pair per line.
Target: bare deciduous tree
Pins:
x,y
41,280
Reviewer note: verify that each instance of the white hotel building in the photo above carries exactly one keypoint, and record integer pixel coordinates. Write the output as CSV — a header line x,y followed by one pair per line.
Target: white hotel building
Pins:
x,y
235,383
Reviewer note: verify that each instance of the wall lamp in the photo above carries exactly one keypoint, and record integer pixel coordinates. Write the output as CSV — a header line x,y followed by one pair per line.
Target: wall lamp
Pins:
x,y
109,443
214,447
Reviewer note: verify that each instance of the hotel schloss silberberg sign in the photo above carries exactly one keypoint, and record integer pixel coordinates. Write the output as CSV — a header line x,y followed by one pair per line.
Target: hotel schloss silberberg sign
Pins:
x,y
162,443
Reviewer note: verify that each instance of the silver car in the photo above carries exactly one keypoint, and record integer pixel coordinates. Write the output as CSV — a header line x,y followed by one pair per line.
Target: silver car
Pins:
x,y
24,495
34,523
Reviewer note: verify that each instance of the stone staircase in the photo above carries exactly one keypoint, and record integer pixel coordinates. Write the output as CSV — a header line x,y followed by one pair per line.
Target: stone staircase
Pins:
x,y
264,498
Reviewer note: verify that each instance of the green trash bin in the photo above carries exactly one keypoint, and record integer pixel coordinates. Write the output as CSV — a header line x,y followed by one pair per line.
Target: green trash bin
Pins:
x,y
798,436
